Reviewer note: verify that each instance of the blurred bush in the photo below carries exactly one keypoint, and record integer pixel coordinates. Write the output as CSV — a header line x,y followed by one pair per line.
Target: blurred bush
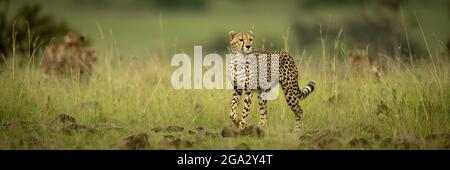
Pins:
x,y
97,4
448,46
317,3
3,29
174,4
380,28
28,30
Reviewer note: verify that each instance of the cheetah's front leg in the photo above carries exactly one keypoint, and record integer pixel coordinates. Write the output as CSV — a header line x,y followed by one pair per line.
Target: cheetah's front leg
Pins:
x,y
234,103
262,110
246,110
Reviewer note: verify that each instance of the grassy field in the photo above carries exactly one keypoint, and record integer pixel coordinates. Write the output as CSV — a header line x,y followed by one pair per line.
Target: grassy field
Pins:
x,y
406,107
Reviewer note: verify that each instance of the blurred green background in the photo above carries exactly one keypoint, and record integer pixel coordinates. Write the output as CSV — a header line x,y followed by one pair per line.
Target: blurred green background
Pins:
x,y
142,27
405,106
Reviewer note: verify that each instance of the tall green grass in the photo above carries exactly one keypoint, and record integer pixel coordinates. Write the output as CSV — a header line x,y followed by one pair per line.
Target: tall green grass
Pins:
x,y
135,93
131,87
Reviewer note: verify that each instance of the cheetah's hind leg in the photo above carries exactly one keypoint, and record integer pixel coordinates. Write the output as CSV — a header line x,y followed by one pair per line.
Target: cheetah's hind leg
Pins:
x,y
294,95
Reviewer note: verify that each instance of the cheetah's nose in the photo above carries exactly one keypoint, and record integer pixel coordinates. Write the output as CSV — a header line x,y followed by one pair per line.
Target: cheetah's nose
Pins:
x,y
248,46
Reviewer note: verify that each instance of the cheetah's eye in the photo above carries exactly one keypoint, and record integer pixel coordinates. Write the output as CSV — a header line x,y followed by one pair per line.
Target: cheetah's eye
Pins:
x,y
251,39
241,39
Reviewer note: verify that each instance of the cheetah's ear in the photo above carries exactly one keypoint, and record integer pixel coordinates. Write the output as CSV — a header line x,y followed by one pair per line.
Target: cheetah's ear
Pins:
x,y
232,34
251,32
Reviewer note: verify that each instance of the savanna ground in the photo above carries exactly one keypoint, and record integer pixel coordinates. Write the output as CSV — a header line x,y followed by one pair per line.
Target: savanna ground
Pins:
x,y
406,107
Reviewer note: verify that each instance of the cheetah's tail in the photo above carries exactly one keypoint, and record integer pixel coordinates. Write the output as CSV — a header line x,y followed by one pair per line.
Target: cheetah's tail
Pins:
x,y
309,88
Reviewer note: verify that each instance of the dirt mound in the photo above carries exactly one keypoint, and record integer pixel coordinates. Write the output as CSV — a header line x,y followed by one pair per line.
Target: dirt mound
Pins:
x,y
182,142
359,142
201,132
320,139
328,143
407,141
67,124
317,135
32,142
178,142
133,142
386,142
241,146
174,129
229,132
76,126
197,130
64,118
253,131
157,129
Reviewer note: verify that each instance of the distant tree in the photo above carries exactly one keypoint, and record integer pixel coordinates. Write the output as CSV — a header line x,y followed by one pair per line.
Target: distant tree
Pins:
x,y
379,27
28,28
175,4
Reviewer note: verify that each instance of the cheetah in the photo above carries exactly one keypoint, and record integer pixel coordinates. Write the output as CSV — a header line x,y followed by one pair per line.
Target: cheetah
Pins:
x,y
360,61
69,57
241,43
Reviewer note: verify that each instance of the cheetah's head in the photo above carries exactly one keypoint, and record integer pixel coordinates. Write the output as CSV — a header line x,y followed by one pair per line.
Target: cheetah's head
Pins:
x,y
73,39
241,42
